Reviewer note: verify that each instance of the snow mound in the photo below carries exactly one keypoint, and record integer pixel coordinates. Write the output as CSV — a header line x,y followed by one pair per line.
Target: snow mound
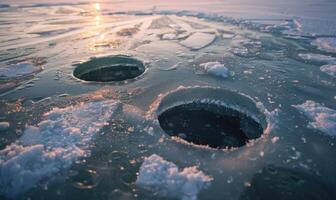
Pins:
x,y
324,118
317,57
164,178
329,69
326,43
198,40
216,69
18,70
51,146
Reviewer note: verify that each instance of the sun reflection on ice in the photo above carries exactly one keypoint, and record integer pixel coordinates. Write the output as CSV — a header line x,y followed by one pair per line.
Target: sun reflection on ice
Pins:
x,y
96,6
97,20
100,41
98,29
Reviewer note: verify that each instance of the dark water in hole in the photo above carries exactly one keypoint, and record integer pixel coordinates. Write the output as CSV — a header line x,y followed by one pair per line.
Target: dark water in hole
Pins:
x,y
206,124
111,73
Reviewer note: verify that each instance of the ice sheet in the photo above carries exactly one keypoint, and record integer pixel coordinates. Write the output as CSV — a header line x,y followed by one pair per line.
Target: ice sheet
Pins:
x,y
198,40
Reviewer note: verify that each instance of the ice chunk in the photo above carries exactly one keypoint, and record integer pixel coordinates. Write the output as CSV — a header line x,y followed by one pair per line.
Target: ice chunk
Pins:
x,y
317,57
198,40
329,69
169,36
4,126
17,70
165,179
215,68
174,36
54,144
326,43
324,118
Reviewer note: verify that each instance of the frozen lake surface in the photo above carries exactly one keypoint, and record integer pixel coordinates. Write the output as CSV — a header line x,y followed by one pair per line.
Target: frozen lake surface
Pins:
x,y
167,100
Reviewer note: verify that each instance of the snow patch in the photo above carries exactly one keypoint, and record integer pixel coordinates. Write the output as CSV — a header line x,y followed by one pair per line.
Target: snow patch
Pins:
x,y
216,69
198,40
324,118
326,43
329,69
18,70
51,146
165,179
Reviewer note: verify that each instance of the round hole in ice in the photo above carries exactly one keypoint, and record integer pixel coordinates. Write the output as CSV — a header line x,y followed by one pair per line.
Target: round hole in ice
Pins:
x,y
216,118
109,69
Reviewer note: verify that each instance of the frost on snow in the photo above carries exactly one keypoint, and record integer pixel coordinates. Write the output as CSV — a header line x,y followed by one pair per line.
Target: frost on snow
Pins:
x,y
54,144
165,179
198,40
324,118
215,68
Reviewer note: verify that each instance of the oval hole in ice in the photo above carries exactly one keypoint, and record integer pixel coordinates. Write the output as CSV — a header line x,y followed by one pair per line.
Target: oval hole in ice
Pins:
x,y
109,69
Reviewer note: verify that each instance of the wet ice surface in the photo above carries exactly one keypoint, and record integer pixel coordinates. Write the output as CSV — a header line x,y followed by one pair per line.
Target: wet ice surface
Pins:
x,y
63,138
15,71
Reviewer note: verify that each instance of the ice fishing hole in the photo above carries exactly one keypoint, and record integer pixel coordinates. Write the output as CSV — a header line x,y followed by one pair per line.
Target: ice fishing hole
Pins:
x,y
109,69
213,117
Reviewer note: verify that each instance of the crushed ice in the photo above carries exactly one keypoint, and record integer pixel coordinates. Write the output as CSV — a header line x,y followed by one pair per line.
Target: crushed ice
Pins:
x,y
53,145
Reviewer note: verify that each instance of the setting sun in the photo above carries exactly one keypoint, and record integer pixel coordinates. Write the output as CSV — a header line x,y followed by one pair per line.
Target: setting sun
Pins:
x,y
96,6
